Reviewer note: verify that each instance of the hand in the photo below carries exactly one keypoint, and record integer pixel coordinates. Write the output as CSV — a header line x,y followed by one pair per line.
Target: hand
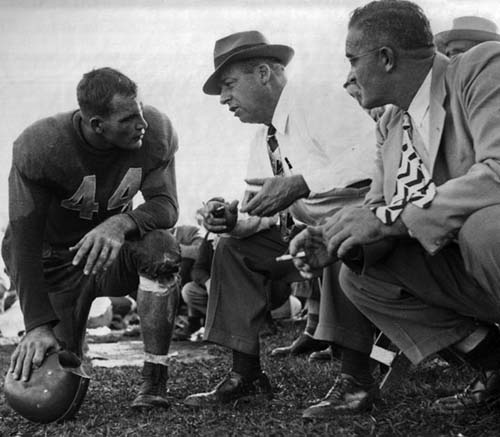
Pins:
x,y
101,245
226,222
32,350
353,227
200,278
311,240
276,194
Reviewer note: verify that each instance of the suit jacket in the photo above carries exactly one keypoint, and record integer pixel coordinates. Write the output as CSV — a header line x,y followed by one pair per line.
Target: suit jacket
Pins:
x,y
464,149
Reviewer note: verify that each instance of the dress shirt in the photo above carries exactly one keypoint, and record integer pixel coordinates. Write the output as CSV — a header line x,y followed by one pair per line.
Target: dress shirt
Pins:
x,y
315,143
419,110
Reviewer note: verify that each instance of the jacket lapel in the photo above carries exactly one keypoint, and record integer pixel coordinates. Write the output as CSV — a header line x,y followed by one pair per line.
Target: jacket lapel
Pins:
x,y
392,148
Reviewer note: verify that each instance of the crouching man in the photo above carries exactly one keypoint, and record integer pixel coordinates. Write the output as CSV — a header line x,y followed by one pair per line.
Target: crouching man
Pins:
x,y
73,234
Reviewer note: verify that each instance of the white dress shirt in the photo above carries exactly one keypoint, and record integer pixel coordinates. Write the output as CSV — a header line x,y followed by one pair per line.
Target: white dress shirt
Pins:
x,y
419,111
320,145
314,143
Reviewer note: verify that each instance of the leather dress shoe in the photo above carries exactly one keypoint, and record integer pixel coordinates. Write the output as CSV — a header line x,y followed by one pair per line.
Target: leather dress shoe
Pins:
x,y
322,355
347,396
483,391
301,345
232,388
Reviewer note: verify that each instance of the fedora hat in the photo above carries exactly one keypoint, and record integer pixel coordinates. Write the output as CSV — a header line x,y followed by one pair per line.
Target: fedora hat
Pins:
x,y
240,46
471,28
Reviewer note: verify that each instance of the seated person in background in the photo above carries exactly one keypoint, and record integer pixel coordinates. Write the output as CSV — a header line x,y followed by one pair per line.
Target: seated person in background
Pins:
x,y
73,234
195,292
301,170
466,33
305,342
189,239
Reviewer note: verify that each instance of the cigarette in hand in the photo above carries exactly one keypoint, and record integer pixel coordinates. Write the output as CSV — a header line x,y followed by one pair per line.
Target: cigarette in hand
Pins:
x,y
288,257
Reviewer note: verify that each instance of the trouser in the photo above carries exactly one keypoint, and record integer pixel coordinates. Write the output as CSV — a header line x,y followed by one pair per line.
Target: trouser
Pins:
x,y
71,292
196,298
308,289
185,270
425,303
240,296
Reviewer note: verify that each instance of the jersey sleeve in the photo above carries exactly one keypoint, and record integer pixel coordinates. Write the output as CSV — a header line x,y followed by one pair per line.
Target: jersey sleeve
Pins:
x,y
159,189
28,203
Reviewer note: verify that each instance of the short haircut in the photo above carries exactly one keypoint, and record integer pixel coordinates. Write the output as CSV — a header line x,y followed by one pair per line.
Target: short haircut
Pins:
x,y
97,88
397,23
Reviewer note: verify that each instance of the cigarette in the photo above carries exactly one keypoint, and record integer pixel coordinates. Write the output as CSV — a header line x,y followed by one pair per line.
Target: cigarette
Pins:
x,y
288,257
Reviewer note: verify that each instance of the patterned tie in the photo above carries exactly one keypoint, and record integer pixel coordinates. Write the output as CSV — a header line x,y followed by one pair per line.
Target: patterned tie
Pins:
x,y
286,220
413,182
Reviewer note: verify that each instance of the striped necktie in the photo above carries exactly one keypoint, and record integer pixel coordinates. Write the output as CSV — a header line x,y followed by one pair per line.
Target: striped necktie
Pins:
x,y
286,220
414,184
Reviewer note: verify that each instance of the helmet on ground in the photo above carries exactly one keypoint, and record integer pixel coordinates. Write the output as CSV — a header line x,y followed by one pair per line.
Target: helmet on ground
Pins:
x,y
54,391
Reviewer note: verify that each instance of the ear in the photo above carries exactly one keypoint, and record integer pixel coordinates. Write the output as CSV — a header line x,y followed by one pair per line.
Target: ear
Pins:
x,y
96,123
264,72
388,56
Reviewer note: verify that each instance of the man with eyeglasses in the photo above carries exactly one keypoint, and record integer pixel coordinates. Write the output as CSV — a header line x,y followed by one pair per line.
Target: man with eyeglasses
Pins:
x,y
427,238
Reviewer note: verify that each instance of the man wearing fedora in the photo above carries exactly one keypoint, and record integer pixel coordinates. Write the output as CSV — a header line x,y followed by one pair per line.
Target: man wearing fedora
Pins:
x,y
303,172
466,33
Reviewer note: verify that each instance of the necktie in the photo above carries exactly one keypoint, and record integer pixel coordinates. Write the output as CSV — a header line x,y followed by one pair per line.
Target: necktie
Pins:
x,y
286,220
413,182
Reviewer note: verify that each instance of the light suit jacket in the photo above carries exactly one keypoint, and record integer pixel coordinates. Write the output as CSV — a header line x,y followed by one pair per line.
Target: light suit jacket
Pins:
x,y
464,147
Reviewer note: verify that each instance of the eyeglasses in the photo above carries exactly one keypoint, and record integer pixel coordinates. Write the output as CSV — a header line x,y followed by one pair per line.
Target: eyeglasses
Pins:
x,y
353,59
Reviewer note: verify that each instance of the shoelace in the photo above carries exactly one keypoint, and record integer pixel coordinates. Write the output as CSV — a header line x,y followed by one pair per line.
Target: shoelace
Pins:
x,y
338,389
469,391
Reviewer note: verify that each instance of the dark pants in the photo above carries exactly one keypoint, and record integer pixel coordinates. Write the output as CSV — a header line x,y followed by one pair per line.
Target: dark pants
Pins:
x,y
240,296
71,292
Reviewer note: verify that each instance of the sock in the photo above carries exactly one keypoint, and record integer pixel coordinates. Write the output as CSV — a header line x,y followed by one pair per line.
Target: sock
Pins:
x,y
312,316
311,325
246,365
357,365
468,343
194,323
486,355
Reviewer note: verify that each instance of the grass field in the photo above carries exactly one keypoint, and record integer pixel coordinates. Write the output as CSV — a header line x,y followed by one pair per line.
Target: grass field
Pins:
x,y
297,382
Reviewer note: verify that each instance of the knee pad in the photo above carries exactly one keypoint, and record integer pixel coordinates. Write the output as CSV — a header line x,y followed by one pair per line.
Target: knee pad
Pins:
x,y
158,255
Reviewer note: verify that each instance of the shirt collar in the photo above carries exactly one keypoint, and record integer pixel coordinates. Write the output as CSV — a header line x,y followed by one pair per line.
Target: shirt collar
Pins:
x,y
282,110
420,103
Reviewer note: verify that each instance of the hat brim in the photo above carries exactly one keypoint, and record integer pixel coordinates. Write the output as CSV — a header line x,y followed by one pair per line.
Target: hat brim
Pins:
x,y
283,53
469,34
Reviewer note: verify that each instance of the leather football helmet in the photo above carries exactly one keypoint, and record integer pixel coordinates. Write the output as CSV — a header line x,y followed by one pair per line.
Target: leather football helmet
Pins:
x,y
54,391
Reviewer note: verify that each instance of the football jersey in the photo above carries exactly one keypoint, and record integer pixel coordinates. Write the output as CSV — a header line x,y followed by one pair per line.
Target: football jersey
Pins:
x,y
60,187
